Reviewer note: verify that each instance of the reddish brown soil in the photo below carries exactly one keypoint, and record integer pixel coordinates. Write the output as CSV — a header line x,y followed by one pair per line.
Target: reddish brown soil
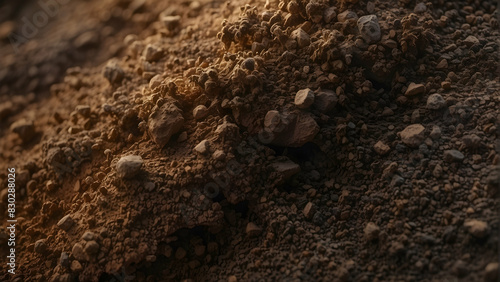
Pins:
x,y
385,170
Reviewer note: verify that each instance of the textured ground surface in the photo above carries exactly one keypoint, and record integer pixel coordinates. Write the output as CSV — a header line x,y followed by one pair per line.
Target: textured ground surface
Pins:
x,y
251,141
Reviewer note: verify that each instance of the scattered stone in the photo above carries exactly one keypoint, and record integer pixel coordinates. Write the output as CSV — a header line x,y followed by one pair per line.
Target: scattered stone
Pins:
x,y
24,128
325,100
453,156
88,236
302,38
91,248
420,8
329,14
298,130
165,122
435,132
149,186
286,168
253,230
309,210
152,53
77,252
40,246
491,272
471,41
64,259
442,65
304,98
219,155
435,102
129,166
248,64
182,137
415,89
437,171
347,15
477,228
200,112
65,223
371,231
155,81
76,266
369,28
83,110
203,147
446,85
113,72
471,141
170,22
413,135
381,148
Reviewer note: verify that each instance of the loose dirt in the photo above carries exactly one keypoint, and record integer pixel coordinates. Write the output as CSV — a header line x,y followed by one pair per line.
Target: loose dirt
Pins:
x,y
251,140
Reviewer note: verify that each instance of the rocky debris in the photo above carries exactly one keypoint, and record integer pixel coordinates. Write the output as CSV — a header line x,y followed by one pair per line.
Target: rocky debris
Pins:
x,y
420,8
347,15
219,155
296,130
435,102
78,253
413,135
155,81
253,230
40,246
471,141
304,98
83,110
471,41
152,53
64,259
91,248
453,156
381,148
415,89
369,28
24,128
309,210
286,168
301,37
76,266
248,64
329,14
371,231
65,223
129,166
325,100
200,112
170,22
113,72
435,132
477,228
88,235
491,272
164,122
203,147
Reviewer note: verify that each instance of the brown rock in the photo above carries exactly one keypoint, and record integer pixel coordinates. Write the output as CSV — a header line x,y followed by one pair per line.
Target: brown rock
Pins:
x,y
309,210
415,89
413,135
165,122
253,230
381,148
